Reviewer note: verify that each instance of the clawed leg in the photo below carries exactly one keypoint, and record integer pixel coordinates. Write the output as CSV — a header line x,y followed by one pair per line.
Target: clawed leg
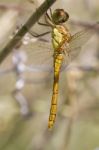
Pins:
x,y
39,35
51,12
43,24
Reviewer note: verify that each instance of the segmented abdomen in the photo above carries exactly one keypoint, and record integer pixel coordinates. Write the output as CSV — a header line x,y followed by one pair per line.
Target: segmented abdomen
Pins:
x,y
57,65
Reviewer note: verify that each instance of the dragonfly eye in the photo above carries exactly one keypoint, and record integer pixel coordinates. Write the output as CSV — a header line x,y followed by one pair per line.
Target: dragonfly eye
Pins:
x,y
60,16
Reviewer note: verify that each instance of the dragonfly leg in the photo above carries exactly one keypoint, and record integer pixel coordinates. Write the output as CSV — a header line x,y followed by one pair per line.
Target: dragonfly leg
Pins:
x,y
46,19
51,12
42,24
38,35
48,16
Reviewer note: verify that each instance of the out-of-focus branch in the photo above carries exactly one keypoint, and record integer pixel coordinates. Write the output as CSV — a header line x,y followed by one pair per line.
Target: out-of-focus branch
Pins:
x,y
31,21
10,6
90,25
84,68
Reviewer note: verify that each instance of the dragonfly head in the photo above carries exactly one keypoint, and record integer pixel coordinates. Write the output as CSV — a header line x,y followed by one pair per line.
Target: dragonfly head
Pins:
x,y
59,16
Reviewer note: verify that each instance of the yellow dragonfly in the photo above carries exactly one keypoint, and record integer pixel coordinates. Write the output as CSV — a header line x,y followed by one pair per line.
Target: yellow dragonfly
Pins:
x,y
66,48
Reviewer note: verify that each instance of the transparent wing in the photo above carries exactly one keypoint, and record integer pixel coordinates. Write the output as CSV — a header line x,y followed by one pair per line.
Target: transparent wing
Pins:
x,y
40,56
81,38
77,41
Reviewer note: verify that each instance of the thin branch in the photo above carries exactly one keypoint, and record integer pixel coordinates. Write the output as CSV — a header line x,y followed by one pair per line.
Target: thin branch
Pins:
x,y
9,6
90,25
31,21
84,68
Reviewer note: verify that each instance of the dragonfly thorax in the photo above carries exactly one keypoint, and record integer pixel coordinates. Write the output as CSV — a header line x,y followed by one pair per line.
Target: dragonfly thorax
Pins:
x,y
60,36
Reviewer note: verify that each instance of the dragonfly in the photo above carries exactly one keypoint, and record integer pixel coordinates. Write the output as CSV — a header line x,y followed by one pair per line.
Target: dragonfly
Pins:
x,y
64,47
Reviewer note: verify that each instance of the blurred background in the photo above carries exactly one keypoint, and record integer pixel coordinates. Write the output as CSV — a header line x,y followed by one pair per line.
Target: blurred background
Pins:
x,y
26,77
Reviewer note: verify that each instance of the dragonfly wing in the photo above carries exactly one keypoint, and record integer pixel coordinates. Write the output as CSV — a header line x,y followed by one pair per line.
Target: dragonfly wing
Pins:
x,y
71,55
40,56
77,41
80,38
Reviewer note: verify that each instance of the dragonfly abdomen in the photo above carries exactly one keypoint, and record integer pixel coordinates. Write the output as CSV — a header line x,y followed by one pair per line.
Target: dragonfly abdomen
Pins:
x,y
53,110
